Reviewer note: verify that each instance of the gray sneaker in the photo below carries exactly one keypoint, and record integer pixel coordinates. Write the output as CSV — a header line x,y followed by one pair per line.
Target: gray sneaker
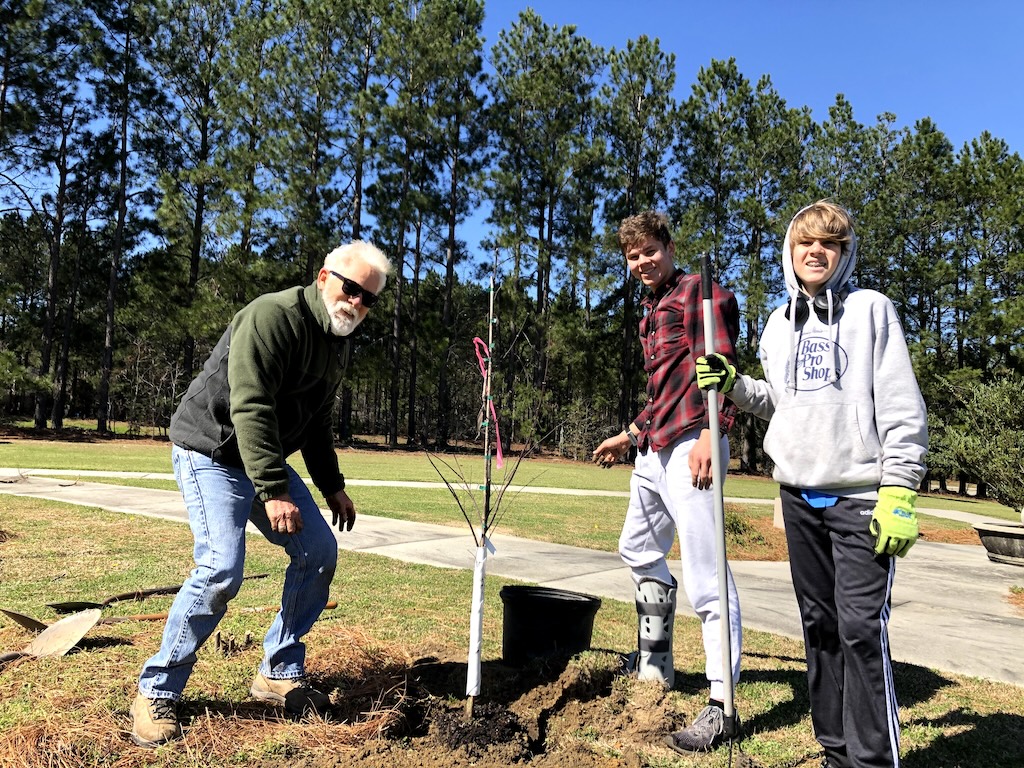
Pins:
x,y
707,732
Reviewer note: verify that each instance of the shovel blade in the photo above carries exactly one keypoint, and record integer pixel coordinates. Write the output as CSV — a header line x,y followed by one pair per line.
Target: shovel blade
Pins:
x,y
73,606
32,625
11,656
60,637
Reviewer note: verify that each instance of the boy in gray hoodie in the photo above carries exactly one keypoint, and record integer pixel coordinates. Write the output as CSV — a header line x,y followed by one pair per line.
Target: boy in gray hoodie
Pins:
x,y
848,435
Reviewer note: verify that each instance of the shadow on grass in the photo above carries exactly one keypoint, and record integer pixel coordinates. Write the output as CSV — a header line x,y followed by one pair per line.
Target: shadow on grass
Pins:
x,y
993,741
968,738
99,642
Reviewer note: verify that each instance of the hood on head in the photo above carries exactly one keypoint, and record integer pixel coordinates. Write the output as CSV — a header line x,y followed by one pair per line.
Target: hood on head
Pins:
x,y
834,287
842,275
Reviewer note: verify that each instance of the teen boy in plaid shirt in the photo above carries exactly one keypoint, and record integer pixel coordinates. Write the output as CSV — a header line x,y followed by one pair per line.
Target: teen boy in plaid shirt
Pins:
x,y
670,489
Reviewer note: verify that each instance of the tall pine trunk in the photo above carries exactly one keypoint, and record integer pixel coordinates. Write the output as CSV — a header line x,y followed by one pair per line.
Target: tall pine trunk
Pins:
x,y
411,429
56,236
103,407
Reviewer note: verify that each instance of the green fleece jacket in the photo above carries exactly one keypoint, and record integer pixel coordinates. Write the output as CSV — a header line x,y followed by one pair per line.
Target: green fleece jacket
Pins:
x,y
268,390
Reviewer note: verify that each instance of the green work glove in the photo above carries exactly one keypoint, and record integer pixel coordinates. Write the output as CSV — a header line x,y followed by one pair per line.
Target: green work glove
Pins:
x,y
715,371
894,521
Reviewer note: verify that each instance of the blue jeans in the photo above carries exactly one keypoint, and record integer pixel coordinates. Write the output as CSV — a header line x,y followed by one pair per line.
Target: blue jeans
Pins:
x,y
219,500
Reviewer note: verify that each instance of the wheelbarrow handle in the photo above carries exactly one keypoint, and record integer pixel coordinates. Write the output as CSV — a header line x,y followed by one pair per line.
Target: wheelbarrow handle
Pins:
x,y
135,617
265,608
139,594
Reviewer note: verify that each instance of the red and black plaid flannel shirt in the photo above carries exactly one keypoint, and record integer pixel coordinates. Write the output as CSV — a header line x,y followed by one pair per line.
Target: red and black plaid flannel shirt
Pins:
x,y
672,335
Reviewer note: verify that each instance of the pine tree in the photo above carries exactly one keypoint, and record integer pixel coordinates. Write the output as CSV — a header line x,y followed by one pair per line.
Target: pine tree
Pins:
x,y
187,54
641,117
123,92
544,88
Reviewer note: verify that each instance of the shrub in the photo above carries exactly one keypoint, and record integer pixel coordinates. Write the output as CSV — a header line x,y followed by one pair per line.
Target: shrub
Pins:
x,y
987,437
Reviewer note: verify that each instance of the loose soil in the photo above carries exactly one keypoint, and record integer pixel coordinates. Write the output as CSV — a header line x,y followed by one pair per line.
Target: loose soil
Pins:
x,y
549,713
390,711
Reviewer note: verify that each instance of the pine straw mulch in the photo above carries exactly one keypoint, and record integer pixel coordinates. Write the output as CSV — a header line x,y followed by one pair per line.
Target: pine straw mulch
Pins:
x,y
943,535
1016,597
367,682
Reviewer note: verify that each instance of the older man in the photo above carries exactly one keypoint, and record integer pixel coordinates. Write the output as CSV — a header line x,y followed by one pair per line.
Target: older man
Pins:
x,y
267,390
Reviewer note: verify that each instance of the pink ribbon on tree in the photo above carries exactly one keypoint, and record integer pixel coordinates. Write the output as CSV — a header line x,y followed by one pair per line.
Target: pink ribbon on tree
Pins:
x,y
483,356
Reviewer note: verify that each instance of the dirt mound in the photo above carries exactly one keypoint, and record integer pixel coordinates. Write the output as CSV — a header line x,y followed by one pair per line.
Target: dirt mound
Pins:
x,y
577,713
570,713
390,710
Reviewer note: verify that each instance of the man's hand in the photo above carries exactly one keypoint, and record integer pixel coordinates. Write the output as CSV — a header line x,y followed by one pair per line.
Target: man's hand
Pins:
x,y
715,371
894,521
700,461
612,449
284,516
343,511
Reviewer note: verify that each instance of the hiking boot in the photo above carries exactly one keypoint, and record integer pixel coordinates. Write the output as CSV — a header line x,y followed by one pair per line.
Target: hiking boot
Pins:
x,y
154,721
707,732
296,694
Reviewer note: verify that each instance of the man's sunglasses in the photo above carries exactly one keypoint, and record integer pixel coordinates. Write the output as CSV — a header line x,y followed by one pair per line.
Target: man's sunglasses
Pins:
x,y
354,289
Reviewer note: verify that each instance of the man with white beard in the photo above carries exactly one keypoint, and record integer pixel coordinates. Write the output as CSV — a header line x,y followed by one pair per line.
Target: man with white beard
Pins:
x,y
267,391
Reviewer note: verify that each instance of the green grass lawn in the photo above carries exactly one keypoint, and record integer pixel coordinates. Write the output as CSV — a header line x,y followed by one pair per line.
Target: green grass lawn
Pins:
x,y
72,711
128,455
60,552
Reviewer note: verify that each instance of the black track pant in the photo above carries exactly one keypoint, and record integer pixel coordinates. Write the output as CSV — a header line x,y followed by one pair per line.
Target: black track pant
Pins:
x,y
843,590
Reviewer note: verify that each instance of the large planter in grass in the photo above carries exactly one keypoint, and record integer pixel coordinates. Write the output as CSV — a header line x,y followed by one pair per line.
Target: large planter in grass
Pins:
x,y
1004,542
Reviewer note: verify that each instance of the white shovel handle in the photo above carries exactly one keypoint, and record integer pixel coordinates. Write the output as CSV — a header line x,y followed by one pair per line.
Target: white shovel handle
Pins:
x,y
716,485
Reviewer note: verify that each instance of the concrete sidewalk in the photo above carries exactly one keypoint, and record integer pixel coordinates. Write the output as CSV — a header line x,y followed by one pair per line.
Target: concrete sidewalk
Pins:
x,y
949,601
78,474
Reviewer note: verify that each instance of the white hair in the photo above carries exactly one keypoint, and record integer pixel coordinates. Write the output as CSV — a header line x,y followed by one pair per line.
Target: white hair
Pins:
x,y
359,250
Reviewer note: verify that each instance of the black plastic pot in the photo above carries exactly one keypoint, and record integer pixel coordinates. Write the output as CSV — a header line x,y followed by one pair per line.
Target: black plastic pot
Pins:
x,y
540,622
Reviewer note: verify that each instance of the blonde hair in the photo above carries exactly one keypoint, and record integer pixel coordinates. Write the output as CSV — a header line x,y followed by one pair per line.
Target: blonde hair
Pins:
x,y
635,229
823,220
359,250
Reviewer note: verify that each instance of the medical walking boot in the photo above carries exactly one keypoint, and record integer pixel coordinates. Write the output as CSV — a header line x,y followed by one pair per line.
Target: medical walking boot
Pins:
x,y
656,610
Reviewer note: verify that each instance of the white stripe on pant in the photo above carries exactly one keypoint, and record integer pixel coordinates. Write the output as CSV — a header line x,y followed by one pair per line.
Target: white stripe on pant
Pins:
x,y
843,590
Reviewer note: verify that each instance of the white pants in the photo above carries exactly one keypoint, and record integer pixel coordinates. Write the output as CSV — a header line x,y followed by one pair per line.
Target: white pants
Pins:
x,y
662,501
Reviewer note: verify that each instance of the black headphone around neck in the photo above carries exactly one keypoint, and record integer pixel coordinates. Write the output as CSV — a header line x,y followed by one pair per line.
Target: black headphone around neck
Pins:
x,y
820,302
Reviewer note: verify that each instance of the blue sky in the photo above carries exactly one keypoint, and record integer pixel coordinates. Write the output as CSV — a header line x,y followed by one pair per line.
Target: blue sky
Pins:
x,y
960,62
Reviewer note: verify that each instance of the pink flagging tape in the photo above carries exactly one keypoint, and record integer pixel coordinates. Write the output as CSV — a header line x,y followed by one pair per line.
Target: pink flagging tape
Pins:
x,y
483,356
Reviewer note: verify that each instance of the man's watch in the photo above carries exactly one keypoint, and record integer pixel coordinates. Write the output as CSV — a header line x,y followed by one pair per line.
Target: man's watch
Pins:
x,y
631,436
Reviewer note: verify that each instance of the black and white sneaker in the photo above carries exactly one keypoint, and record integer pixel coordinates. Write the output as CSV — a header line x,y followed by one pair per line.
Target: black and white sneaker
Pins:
x,y
707,732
